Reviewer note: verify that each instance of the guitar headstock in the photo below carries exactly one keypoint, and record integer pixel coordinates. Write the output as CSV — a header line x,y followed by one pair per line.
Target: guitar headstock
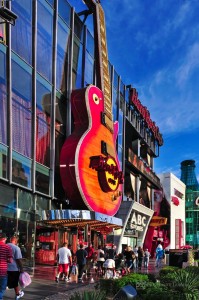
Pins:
x,y
91,3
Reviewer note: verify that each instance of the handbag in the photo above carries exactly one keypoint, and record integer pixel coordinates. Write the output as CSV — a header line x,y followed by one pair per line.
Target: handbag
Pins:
x,y
24,279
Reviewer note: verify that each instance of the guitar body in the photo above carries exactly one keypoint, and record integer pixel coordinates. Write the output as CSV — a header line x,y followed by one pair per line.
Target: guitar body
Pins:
x,y
91,178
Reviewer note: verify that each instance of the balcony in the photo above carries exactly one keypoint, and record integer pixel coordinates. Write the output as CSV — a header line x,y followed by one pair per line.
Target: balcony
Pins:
x,y
143,168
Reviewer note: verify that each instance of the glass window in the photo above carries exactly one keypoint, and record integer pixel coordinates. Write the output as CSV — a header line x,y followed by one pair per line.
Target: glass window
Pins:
x,y
89,69
21,106
7,204
44,39
114,104
77,64
42,179
43,121
3,96
90,44
21,170
120,133
22,31
64,10
62,52
25,201
120,152
3,161
115,82
41,204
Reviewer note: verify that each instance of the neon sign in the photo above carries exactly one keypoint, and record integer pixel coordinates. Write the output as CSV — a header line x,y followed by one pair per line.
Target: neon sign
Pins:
x,y
146,115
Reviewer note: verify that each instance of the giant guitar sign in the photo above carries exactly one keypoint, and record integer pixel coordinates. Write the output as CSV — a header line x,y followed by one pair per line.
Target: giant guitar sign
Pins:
x,y
91,174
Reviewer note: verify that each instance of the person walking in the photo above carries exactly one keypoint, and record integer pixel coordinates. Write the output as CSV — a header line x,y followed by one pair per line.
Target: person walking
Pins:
x,y
159,256
129,258
15,268
5,258
81,255
64,261
111,252
140,257
100,260
135,250
146,258
89,259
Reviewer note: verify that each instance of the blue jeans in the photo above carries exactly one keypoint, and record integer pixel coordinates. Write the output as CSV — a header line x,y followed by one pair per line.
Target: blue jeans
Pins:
x,y
3,285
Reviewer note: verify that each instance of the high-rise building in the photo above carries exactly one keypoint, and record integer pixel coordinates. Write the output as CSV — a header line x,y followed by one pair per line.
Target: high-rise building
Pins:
x,y
188,176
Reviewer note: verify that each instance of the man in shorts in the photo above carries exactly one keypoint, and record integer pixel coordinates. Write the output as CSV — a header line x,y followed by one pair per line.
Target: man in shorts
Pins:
x,y
64,261
5,257
15,268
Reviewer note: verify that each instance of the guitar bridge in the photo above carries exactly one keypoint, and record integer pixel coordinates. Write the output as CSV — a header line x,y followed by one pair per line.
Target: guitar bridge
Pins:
x,y
106,149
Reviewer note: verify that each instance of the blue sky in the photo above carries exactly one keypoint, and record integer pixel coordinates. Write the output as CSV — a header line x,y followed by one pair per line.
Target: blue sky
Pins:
x,y
154,45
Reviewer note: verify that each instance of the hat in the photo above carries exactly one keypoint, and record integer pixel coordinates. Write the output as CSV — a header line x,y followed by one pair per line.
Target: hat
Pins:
x,y
3,235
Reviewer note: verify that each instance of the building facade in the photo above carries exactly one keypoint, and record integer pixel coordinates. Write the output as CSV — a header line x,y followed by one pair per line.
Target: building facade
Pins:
x,y
174,193
47,53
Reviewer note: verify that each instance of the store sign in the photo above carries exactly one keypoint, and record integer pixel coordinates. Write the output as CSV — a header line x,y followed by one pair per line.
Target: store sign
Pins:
x,y
145,115
138,221
158,221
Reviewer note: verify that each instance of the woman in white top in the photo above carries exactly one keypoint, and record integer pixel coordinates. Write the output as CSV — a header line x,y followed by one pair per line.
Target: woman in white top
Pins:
x,y
100,260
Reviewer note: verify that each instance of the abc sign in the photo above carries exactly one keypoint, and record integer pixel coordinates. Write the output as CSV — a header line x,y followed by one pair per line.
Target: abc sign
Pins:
x,y
197,201
138,219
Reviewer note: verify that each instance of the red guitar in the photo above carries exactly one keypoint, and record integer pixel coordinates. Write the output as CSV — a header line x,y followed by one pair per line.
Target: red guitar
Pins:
x,y
90,169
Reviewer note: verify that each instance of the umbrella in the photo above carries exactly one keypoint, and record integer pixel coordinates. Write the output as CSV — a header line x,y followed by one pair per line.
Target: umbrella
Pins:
x,y
186,247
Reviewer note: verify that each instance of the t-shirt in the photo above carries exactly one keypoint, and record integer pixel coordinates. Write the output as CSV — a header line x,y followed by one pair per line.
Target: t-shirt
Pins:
x,y
64,254
109,263
16,252
90,252
81,255
5,255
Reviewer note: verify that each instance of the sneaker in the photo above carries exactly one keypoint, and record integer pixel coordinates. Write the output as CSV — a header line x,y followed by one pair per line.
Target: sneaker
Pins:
x,y
66,279
21,293
57,279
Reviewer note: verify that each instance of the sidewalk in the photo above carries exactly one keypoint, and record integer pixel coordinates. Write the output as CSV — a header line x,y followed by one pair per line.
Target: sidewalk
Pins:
x,y
44,287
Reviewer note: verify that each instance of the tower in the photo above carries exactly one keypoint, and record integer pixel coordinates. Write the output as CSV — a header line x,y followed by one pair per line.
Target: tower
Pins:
x,y
188,176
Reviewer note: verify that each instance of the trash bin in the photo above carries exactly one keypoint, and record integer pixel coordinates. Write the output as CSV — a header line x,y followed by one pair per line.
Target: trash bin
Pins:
x,y
126,293
177,257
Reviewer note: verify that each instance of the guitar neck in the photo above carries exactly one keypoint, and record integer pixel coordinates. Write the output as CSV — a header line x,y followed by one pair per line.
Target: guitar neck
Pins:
x,y
101,55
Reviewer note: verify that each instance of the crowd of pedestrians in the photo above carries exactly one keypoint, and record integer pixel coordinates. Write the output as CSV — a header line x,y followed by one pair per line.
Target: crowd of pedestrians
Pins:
x,y
104,260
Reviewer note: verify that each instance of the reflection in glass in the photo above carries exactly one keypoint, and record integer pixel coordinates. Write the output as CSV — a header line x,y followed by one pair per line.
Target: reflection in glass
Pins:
x,y
42,179
3,96
64,10
62,52
44,39
77,64
3,160
21,170
43,120
22,31
21,106
89,69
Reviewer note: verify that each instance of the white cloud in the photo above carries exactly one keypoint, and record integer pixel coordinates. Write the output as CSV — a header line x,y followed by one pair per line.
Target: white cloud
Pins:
x,y
190,63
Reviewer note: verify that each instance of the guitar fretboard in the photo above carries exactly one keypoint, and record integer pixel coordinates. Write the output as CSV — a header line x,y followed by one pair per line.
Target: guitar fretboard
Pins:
x,y
103,67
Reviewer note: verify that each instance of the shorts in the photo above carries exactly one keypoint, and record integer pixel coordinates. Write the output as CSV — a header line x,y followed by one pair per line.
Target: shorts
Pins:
x,y
63,268
13,279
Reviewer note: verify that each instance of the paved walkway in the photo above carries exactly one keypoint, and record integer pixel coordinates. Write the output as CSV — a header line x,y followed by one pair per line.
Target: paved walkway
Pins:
x,y
44,287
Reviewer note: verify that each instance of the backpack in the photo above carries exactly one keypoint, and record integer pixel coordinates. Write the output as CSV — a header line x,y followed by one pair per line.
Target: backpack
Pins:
x,y
101,255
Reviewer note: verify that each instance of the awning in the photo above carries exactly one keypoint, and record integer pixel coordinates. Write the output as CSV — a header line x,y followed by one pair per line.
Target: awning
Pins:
x,y
158,221
72,218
